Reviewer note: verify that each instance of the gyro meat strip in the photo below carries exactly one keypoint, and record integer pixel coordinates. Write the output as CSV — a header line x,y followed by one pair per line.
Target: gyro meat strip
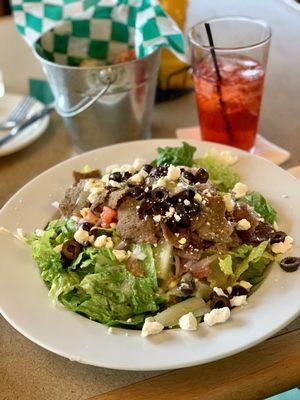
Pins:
x,y
211,223
243,211
115,197
131,227
75,199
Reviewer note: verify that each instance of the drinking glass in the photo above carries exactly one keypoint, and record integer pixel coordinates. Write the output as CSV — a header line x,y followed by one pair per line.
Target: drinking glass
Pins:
x,y
229,97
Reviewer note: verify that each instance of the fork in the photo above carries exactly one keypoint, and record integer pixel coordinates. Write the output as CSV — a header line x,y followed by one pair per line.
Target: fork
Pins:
x,y
18,114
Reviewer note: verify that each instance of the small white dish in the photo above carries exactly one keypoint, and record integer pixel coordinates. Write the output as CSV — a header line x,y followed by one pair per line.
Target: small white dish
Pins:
x,y
24,298
29,135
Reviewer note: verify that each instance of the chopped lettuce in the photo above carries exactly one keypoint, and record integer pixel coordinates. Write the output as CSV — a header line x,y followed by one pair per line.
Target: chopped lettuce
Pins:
x,y
225,264
96,284
245,262
181,155
220,173
261,206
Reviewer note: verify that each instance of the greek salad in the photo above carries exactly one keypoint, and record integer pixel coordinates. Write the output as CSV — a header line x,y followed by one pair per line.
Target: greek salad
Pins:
x,y
168,243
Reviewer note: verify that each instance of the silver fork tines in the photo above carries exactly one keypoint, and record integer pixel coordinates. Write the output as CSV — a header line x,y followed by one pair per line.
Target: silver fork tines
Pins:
x,y
18,114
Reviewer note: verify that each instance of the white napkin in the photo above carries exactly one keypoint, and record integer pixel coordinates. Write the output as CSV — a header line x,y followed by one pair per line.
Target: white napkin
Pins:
x,y
263,147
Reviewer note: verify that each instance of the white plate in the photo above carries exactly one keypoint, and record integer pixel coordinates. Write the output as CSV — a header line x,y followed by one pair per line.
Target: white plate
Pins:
x,y
23,295
29,135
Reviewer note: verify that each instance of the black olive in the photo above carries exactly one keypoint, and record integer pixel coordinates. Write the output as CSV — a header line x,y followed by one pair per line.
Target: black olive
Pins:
x,y
194,209
184,221
159,208
277,237
71,249
126,175
238,290
262,233
137,192
190,194
65,262
188,176
160,171
115,176
219,302
147,167
201,175
159,194
290,264
86,226
181,196
187,284
146,207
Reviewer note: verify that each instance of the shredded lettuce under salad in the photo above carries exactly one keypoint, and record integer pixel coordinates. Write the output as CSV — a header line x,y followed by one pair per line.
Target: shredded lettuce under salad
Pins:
x,y
103,289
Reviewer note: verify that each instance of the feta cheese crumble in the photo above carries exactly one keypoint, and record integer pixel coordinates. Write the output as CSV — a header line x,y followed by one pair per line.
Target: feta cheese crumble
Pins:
x,y
173,173
182,241
188,322
81,236
157,218
103,241
55,204
151,327
138,254
198,197
138,178
171,212
161,182
228,157
39,232
219,291
114,184
240,190
229,202
238,301
282,247
121,255
243,225
177,217
217,316
138,163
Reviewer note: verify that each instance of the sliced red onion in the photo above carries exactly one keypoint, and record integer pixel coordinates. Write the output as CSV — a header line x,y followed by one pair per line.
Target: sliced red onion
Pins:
x,y
201,269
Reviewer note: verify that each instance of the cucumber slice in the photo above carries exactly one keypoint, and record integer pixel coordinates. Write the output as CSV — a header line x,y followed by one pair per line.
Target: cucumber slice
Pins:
x,y
164,260
171,315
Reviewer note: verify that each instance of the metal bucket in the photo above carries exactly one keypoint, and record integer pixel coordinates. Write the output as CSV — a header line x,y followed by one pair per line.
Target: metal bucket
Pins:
x,y
107,104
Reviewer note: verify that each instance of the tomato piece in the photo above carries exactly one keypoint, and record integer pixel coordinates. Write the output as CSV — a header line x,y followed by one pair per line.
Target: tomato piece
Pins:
x,y
108,216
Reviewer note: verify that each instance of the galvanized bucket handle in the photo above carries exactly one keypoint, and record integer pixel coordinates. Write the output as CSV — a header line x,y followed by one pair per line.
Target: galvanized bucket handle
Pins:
x,y
107,76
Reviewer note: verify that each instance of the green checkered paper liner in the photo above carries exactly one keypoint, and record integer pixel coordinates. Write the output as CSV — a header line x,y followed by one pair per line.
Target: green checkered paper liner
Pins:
x,y
68,31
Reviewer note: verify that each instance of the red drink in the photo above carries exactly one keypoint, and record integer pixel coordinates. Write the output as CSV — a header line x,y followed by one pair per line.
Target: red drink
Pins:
x,y
233,122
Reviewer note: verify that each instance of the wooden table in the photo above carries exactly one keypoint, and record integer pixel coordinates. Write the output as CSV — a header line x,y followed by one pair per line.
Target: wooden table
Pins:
x,y
30,372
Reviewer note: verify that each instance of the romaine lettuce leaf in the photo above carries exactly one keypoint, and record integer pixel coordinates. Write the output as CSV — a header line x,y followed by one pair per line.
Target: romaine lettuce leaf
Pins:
x,y
96,284
181,155
220,173
245,262
116,294
261,206
225,264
